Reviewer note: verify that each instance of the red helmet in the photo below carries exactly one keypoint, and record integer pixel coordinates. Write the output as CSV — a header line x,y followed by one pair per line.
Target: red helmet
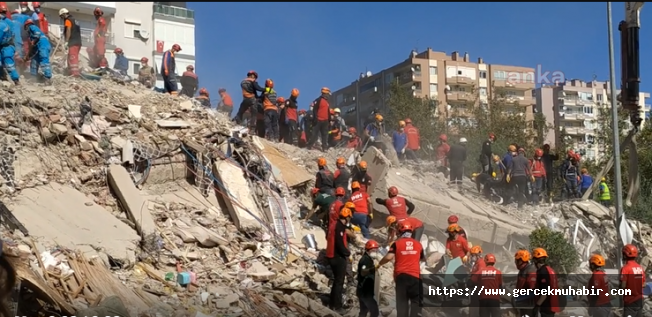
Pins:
x,y
269,83
453,219
176,47
405,226
28,23
24,4
3,8
190,67
630,251
352,130
302,111
371,244
490,259
443,138
340,191
36,5
252,73
203,91
538,152
392,191
332,112
408,120
98,12
492,136
144,60
280,100
314,191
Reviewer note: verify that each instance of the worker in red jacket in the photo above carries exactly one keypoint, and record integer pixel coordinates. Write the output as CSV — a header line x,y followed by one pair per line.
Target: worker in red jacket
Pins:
x,y
398,206
442,154
354,141
393,224
632,278
456,245
526,279
337,253
600,304
99,37
547,305
538,169
363,211
413,140
361,176
291,134
490,280
321,119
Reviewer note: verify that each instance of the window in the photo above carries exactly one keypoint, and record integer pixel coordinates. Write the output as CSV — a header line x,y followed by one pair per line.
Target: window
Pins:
x,y
510,93
433,89
588,110
483,74
433,70
598,97
483,91
389,78
132,30
459,72
136,68
499,74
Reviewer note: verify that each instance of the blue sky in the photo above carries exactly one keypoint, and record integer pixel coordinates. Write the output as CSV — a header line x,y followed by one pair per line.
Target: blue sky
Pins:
x,y
310,45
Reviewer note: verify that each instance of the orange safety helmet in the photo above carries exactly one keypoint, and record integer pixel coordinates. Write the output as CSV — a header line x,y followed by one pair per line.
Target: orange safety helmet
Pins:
x,y
118,50
269,83
408,121
390,220
340,160
345,213
453,219
538,152
490,259
280,100
476,250
252,73
321,162
405,226
453,228
314,191
144,60
97,12
176,47
340,191
597,260
392,191
371,244
538,253
294,92
355,185
523,255
362,165
352,130
349,205
443,138
332,112
630,251
190,67
325,90
401,123
203,91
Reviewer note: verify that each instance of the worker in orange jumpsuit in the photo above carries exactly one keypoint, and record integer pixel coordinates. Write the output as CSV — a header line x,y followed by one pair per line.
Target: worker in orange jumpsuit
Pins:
x,y
334,132
479,264
546,305
226,103
342,176
361,176
250,89
526,279
204,98
398,206
599,305
99,37
189,82
453,220
442,154
42,23
73,41
324,180
270,110
363,214
282,126
169,70
490,280
413,140
538,169
321,120
632,278
354,141
392,225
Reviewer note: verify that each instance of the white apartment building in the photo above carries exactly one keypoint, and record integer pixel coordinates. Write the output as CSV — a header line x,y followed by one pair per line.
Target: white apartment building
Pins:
x,y
573,107
173,24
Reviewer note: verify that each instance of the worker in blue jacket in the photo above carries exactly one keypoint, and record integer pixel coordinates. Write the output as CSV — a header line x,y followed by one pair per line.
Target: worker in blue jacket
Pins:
x,y
507,159
17,28
121,62
399,140
39,51
169,71
20,18
7,49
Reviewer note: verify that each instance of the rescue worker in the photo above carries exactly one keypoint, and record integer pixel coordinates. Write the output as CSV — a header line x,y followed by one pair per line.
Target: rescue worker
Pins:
x,y
337,253
204,98
321,204
354,141
605,196
226,103
397,206
490,279
321,119
507,158
339,120
518,174
600,304
407,254
453,220
99,38
456,245
361,176
373,131
399,140
306,125
538,170
456,157
169,70
250,89
486,154
282,119
546,279
525,279
146,73
270,110
292,119
548,159
31,15
392,225
42,20
73,41
39,51
632,278
334,131
363,214
26,10
337,205
342,176
441,154
569,172
324,180
7,50
259,123
121,64
413,140
489,186
478,264
586,180
189,82
366,281
17,27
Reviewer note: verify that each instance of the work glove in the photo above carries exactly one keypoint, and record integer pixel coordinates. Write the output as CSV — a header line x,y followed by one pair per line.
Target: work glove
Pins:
x,y
532,179
371,215
508,178
403,151
372,139
465,259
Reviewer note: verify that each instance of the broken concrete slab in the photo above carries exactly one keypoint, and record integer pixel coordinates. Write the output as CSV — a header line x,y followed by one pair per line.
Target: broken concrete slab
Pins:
x,y
134,204
377,167
245,213
171,124
134,112
292,174
66,216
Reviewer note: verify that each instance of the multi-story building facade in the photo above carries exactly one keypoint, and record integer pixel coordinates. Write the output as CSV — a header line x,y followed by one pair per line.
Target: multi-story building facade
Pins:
x,y
456,82
572,112
173,24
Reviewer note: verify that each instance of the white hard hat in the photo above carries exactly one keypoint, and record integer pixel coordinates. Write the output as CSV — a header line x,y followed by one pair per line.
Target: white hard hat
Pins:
x,y
63,11
462,140
337,110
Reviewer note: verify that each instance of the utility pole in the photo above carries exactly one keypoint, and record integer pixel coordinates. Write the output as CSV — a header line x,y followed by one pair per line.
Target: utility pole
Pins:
x,y
357,104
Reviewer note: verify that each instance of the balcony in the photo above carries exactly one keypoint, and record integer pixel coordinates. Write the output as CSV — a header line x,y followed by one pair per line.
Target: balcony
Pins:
x,y
459,96
576,130
459,80
82,7
570,102
86,35
177,12
513,84
522,101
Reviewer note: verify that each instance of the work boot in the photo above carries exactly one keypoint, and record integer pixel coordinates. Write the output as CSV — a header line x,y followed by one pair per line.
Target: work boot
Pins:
x,y
48,81
16,82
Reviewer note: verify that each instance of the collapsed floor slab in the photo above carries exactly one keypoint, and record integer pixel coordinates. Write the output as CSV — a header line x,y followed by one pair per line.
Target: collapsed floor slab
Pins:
x,y
245,213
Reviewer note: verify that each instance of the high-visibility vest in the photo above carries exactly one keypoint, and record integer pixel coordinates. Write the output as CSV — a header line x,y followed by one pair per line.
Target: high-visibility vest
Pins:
x,y
604,195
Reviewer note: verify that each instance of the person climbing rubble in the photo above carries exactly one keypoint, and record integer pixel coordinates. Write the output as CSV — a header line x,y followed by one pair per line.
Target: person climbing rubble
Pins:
x,y
525,279
397,206
455,159
491,278
441,154
586,180
477,265
374,131
270,111
291,135
361,176
72,41
146,74
569,173
605,195
250,89
42,21
354,141
407,254
486,154
600,304
169,70
453,220
324,179
39,52
321,204
546,278
363,213
337,205
226,103
632,278
399,140
538,171
17,27
548,159
392,224
413,140
337,253
334,131
204,98
121,64
189,82
366,281
518,175
7,50
342,176
456,245
320,120
99,38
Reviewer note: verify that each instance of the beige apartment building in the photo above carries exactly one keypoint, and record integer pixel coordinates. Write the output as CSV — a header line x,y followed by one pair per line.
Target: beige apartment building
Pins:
x,y
573,106
456,82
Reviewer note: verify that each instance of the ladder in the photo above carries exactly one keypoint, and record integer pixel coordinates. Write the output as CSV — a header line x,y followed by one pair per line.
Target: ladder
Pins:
x,y
278,207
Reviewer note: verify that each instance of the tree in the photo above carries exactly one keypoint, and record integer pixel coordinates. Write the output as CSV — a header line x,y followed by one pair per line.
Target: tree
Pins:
x,y
562,255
